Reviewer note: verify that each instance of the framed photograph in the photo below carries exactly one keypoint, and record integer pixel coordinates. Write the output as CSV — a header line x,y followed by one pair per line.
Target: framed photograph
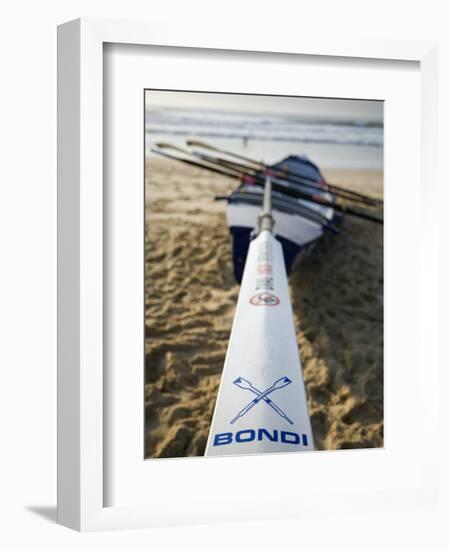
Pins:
x,y
203,258
235,291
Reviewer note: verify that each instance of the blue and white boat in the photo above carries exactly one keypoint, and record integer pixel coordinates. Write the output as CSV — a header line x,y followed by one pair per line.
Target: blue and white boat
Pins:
x,y
299,223
304,204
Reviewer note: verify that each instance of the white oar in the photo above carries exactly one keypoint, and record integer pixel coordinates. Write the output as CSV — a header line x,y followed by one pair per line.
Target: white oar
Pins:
x,y
263,358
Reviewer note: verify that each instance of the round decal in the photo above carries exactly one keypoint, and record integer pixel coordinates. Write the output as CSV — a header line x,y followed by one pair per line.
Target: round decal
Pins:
x,y
264,299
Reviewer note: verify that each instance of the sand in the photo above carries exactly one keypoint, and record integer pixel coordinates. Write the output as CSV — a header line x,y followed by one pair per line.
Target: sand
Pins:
x,y
337,298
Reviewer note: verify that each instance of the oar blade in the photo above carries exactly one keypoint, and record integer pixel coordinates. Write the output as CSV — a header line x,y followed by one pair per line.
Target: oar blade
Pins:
x,y
263,351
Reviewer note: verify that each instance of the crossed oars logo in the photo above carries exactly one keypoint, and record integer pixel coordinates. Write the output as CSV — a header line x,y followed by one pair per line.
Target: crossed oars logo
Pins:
x,y
262,396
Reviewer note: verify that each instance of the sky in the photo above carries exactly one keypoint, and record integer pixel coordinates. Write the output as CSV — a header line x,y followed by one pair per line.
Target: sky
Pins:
x,y
316,107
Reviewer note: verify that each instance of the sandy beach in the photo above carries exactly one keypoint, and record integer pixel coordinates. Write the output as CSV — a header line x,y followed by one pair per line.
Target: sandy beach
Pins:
x,y
190,297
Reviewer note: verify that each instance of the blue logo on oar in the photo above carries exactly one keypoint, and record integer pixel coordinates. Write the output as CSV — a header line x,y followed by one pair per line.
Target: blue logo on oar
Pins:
x,y
262,396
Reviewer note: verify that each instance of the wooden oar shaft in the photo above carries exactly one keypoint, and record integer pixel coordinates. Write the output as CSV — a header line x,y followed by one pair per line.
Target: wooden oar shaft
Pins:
x,y
238,168
293,177
347,195
202,144
285,188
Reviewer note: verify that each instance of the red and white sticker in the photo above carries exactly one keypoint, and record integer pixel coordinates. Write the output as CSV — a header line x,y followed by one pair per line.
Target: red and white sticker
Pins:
x,y
264,299
264,269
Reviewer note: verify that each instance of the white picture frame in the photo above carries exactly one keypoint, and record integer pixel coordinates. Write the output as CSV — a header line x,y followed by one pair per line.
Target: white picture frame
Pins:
x,y
82,491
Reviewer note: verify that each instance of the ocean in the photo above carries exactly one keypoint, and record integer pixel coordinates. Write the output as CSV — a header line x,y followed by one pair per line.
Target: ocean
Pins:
x,y
331,143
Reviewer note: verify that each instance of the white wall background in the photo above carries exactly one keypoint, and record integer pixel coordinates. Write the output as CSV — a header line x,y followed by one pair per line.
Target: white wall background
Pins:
x,y
28,265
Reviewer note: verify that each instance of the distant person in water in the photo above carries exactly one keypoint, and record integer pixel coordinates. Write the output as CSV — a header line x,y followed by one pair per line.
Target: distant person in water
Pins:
x,y
245,141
